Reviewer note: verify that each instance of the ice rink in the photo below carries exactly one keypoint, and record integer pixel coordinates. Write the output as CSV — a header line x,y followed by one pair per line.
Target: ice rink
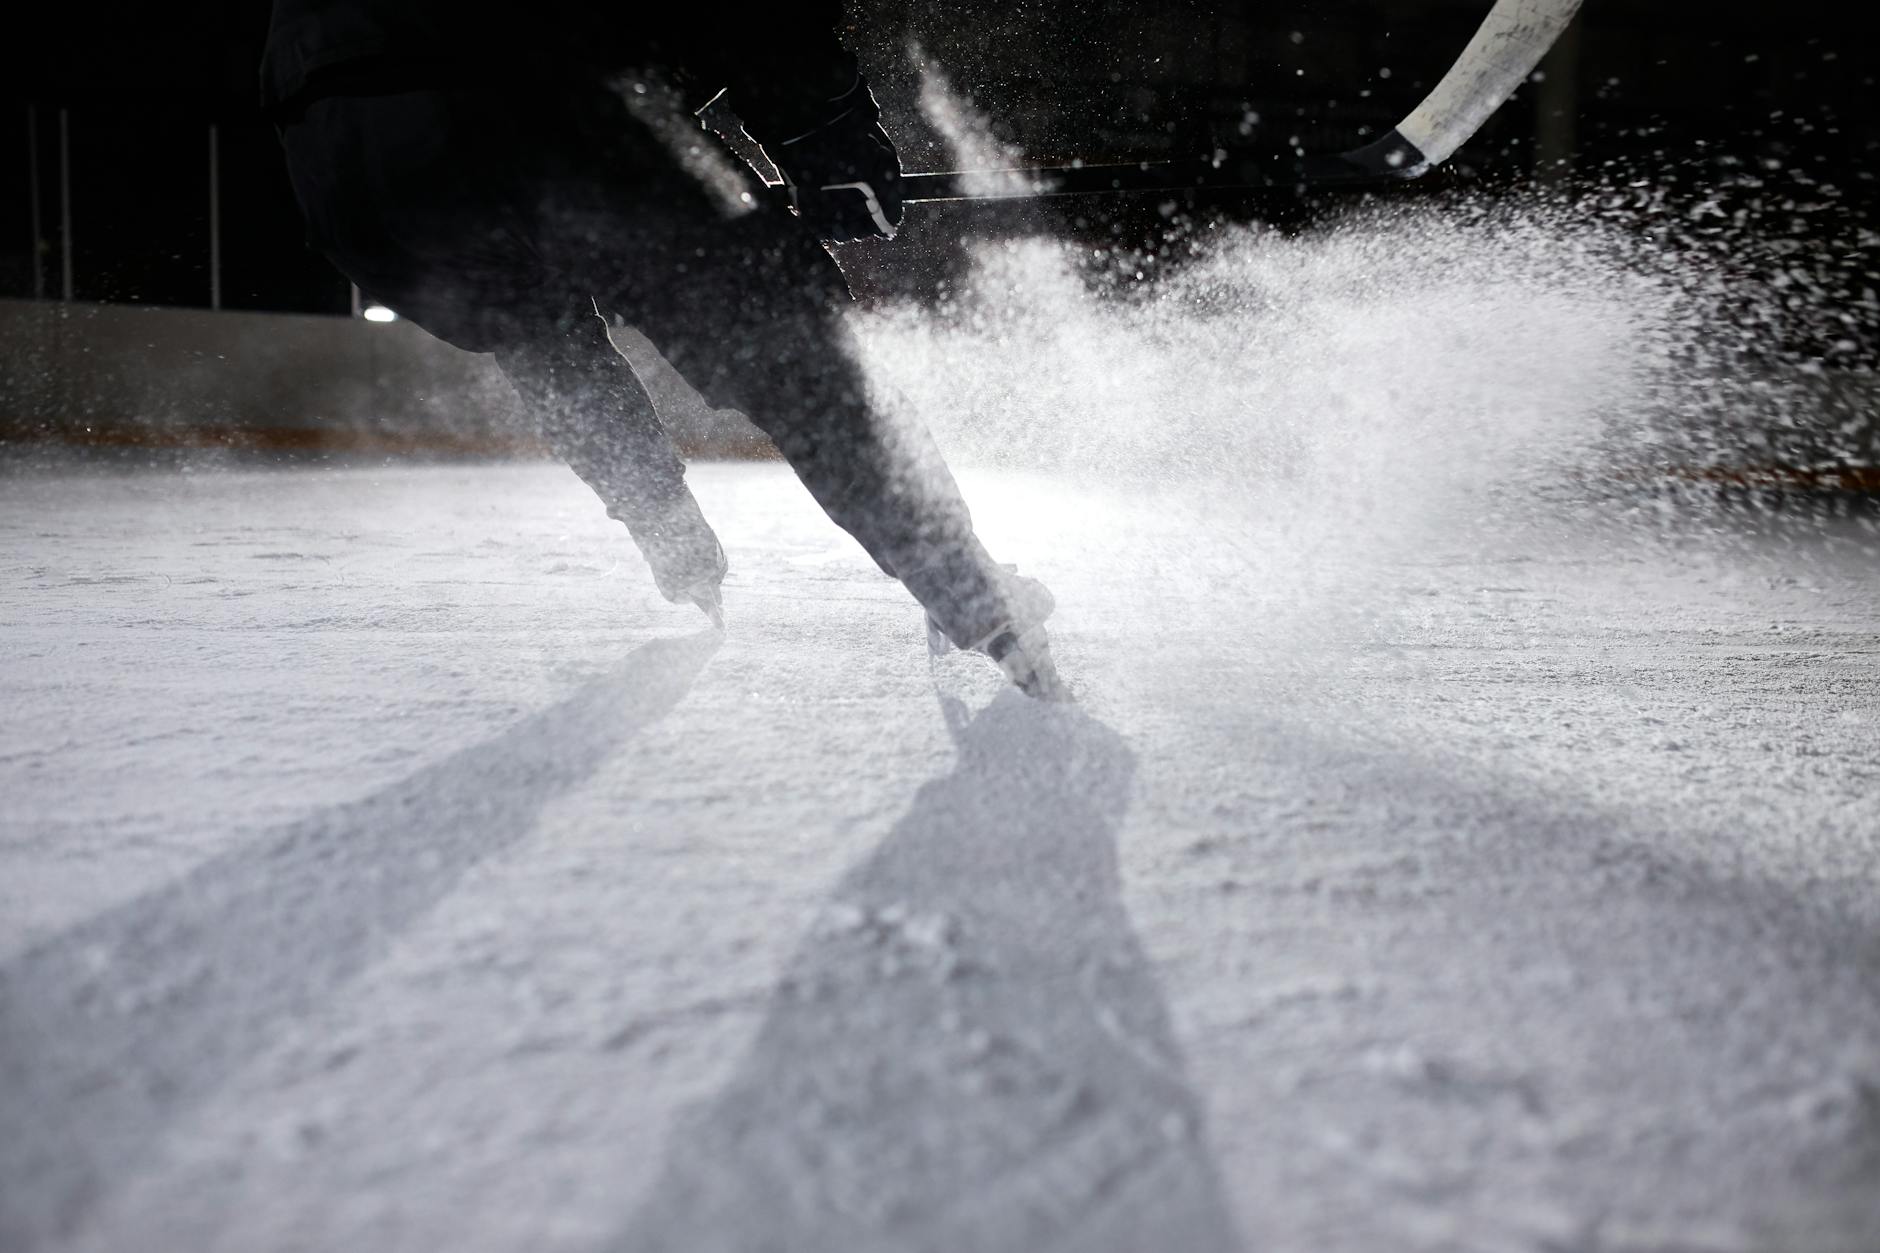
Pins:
x,y
383,866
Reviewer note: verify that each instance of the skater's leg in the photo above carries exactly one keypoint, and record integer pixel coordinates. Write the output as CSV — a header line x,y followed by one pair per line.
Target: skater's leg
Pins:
x,y
755,322
876,473
417,198
780,351
749,308
592,411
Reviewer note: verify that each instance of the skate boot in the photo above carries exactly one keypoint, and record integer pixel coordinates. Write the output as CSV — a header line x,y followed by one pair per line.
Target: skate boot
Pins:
x,y
1018,646
1026,661
687,561
1031,603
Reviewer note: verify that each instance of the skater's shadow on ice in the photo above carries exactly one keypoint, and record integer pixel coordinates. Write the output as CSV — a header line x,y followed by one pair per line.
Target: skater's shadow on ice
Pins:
x,y
119,1025
970,1051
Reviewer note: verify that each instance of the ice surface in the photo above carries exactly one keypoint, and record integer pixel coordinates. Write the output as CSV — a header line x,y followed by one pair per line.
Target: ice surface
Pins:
x,y
1455,846
383,865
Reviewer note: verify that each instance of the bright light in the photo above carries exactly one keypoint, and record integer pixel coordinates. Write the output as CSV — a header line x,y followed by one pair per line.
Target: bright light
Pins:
x,y
379,313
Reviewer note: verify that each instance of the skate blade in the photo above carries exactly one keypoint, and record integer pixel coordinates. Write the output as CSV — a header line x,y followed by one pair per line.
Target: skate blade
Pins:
x,y
1036,677
938,645
712,605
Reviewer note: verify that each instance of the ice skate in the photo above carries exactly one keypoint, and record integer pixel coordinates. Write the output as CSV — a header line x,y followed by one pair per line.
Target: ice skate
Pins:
x,y
1031,603
687,561
1026,661
1019,646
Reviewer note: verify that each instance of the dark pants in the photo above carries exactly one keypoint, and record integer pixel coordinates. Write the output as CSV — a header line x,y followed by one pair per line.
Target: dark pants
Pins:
x,y
503,222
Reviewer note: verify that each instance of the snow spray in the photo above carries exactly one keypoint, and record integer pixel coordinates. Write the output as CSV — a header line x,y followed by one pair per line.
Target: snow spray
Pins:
x,y
1405,375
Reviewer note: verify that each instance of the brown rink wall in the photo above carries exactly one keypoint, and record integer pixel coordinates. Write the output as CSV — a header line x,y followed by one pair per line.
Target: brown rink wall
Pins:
x,y
77,376
130,376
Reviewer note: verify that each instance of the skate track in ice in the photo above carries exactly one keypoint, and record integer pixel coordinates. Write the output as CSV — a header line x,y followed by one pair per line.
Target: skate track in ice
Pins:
x,y
386,867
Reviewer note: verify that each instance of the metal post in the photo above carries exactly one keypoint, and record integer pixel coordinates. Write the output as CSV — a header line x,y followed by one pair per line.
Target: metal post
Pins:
x,y
356,302
215,219
32,190
65,204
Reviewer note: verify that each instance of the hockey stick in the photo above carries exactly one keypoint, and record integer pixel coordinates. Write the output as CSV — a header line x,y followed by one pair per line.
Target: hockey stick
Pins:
x,y
1512,39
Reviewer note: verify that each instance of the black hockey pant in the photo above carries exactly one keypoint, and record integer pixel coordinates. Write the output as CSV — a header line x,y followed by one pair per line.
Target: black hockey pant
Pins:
x,y
502,221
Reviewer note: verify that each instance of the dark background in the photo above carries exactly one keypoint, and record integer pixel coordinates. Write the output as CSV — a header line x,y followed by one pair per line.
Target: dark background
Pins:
x,y
1671,90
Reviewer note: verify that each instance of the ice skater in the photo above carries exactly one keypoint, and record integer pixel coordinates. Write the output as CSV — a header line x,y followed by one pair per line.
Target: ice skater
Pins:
x,y
477,169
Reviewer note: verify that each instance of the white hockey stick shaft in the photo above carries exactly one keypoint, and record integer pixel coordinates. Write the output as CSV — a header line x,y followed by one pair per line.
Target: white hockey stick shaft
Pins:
x,y
1511,42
